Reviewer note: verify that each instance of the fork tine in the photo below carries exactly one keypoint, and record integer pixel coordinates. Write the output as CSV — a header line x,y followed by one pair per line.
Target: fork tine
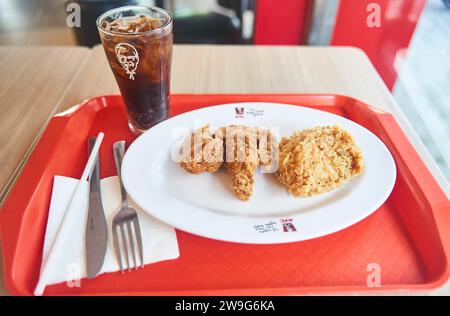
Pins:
x,y
124,243
117,247
137,230
131,239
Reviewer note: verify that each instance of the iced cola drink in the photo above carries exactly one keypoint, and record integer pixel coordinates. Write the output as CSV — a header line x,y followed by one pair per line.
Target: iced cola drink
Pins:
x,y
138,44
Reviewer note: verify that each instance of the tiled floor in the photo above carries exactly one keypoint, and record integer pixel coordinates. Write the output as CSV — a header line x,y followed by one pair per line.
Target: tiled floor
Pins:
x,y
423,88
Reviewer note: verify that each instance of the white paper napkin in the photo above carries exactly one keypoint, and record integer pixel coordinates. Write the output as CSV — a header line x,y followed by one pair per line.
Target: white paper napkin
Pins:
x,y
64,245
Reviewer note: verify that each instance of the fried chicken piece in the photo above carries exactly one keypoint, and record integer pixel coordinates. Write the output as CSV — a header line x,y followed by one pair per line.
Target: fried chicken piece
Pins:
x,y
317,160
267,150
205,154
245,149
241,157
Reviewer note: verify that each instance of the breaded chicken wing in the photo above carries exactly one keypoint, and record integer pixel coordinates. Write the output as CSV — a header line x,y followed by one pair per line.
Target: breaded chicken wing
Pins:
x,y
205,154
241,157
245,149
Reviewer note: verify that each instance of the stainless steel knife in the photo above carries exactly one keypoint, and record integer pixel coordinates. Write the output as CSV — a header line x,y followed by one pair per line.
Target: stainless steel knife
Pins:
x,y
96,229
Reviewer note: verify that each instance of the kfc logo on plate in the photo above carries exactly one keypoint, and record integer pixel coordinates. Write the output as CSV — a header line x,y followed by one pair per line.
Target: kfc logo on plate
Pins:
x,y
239,112
128,57
288,225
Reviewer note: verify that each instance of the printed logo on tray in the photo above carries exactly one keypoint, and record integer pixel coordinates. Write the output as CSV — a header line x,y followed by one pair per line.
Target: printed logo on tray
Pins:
x,y
284,225
128,57
252,112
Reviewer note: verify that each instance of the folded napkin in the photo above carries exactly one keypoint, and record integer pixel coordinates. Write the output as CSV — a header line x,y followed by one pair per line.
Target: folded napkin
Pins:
x,y
63,257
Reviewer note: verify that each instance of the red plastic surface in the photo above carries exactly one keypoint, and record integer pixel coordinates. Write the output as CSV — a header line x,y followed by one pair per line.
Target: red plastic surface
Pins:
x,y
408,237
279,23
384,44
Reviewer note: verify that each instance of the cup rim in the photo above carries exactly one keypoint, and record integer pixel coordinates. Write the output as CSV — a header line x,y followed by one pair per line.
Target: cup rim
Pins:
x,y
130,7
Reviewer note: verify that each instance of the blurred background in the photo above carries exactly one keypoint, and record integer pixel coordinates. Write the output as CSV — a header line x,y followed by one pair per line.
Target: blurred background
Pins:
x,y
410,48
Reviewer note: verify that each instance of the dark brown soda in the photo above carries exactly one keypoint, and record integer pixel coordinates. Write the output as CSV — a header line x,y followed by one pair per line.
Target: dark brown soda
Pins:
x,y
147,95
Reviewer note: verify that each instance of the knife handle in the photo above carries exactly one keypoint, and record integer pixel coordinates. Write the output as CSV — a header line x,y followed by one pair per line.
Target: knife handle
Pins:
x,y
95,172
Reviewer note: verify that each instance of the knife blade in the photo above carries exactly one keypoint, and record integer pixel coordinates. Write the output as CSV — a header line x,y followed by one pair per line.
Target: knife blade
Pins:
x,y
96,229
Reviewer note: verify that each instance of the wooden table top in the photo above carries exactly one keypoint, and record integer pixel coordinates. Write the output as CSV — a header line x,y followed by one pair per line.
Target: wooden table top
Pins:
x,y
41,81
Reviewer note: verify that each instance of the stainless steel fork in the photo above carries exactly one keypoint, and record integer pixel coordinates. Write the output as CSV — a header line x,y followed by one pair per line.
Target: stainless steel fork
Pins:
x,y
125,219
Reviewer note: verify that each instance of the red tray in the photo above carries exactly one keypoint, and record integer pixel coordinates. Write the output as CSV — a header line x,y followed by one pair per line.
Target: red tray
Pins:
x,y
408,237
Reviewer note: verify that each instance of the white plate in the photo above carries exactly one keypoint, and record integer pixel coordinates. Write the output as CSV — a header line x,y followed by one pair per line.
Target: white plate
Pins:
x,y
204,204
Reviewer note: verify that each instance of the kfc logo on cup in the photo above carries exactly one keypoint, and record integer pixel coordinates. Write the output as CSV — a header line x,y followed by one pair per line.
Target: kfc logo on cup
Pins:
x,y
128,57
